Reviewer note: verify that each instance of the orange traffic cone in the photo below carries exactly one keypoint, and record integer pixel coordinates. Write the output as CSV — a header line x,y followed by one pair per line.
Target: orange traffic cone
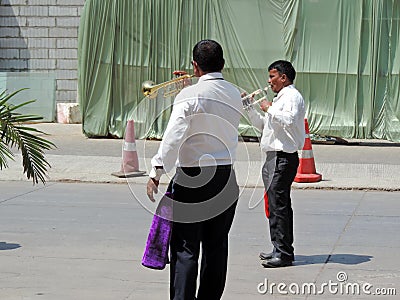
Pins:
x,y
306,171
130,161
266,204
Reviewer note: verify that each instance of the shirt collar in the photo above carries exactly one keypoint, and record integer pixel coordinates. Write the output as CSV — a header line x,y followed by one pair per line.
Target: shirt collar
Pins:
x,y
209,76
283,91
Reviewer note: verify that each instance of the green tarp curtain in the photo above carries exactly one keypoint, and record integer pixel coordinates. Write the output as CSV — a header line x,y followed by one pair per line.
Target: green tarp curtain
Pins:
x,y
346,53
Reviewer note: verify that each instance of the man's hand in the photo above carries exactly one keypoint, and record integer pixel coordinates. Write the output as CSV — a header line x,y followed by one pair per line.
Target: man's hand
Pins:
x,y
152,188
265,105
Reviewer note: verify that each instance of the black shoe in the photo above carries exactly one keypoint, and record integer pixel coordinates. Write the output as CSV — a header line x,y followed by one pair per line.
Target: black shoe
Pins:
x,y
265,256
276,262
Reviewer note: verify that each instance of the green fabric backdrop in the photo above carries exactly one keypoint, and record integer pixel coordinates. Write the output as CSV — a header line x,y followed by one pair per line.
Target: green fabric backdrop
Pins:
x,y
346,54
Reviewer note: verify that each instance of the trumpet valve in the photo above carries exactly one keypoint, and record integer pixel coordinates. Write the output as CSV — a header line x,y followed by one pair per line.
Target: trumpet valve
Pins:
x,y
248,100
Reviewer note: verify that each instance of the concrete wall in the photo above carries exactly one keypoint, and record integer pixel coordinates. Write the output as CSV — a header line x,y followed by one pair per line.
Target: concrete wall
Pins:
x,y
42,36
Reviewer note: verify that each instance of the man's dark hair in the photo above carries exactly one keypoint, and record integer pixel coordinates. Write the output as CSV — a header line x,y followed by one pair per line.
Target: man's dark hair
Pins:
x,y
284,67
209,56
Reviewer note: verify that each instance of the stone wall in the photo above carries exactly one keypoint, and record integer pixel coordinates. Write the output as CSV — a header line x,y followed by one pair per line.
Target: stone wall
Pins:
x,y
42,36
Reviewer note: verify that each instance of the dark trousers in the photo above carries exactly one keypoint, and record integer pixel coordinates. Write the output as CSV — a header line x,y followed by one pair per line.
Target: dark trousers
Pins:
x,y
209,229
278,173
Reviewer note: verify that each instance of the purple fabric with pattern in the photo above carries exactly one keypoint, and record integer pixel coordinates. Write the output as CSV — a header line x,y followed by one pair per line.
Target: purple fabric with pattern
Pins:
x,y
156,253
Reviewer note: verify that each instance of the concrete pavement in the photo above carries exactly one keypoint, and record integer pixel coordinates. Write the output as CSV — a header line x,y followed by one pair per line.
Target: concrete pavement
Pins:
x,y
84,241
372,164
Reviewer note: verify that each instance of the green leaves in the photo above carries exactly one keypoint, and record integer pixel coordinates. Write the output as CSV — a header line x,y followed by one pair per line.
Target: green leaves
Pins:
x,y
13,133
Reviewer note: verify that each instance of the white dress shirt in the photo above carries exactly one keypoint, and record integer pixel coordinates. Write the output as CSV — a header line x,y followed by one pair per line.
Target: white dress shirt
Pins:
x,y
203,127
282,125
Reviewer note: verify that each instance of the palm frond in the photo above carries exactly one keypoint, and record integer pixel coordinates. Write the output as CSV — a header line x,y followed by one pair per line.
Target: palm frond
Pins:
x,y
13,133
4,97
5,153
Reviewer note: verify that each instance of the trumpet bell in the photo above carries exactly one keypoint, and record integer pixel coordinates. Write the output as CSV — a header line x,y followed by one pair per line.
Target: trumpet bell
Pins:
x,y
148,87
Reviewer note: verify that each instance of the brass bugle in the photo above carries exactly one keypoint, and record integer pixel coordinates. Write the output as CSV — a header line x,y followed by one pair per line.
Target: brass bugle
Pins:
x,y
251,95
248,99
259,100
149,87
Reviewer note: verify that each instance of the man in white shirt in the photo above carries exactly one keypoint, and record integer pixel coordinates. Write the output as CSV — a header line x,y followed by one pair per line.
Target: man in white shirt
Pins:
x,y
283,134
201,140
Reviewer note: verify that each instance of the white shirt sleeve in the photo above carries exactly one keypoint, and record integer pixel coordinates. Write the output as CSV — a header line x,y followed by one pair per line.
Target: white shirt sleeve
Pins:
x,y
290,112
257,120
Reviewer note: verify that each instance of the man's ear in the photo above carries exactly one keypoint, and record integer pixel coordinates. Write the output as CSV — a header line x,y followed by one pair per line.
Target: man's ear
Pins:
x,y
196,69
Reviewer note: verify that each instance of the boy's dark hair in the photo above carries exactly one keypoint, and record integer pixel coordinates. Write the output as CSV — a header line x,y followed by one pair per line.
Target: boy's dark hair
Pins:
x,y
284,67
209,56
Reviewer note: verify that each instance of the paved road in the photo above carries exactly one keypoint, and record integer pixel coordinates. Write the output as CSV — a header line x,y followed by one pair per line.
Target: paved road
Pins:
x,y
370,164
84,241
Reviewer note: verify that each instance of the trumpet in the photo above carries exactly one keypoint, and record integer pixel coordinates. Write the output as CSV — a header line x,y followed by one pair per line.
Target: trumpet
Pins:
x,y
247,100
149,88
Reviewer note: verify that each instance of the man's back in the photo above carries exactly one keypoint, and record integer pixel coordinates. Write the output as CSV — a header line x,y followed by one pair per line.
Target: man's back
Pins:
x,y
214,108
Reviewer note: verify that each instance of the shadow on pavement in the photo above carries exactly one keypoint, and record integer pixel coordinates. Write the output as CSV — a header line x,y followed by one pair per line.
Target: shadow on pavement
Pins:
x,y
344,259
377,144
6,246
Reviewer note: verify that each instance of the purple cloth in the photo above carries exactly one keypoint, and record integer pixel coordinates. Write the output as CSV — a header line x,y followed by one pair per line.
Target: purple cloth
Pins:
x,y
156,253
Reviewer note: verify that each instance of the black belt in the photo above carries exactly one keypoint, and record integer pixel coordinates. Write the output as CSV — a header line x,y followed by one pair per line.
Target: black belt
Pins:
x,y
283,154
224,167
218,167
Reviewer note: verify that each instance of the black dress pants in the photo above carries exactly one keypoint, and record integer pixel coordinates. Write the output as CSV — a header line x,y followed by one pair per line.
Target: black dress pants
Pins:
x,y
278,174
210,231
